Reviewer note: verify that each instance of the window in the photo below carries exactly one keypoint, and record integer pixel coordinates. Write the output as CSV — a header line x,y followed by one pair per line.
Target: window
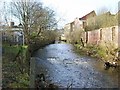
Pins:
x,y
100,34
113,33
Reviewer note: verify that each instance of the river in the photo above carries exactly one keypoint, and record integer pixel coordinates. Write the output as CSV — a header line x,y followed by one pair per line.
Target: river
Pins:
x,y
63,67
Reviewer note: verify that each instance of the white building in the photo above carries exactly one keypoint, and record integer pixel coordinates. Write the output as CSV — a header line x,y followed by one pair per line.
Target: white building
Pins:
x,y
12,34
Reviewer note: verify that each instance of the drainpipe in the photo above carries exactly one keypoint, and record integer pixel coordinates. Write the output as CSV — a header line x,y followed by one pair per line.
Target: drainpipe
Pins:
x,y
23,39
17,39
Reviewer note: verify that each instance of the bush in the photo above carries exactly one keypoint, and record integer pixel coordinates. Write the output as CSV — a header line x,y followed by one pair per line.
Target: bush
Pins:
x,y
100,52
101,21
12,67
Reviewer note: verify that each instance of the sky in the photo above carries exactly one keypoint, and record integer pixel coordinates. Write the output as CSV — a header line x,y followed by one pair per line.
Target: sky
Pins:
x,y
68,10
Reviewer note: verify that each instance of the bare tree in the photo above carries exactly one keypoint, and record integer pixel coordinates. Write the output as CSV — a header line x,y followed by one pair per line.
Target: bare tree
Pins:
x,y
102,10
34,17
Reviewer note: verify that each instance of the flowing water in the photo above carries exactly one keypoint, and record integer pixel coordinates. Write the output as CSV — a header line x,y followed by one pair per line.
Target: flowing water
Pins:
x,y
63,67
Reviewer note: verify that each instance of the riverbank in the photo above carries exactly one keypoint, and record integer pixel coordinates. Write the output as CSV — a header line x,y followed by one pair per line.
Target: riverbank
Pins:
x,y
63,67
14,69
99,52
15,63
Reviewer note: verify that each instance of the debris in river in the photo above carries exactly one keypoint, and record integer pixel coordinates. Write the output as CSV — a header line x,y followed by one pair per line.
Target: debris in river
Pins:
x,y
111,64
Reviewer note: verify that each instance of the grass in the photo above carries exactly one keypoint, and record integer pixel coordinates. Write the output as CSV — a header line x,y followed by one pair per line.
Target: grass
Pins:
x,y
96,51
12,77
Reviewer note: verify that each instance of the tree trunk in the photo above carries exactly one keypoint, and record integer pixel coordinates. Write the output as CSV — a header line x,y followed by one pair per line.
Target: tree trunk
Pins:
x,y
82,42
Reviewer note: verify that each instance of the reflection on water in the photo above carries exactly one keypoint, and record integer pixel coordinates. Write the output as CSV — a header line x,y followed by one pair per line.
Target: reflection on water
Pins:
x,y
63,67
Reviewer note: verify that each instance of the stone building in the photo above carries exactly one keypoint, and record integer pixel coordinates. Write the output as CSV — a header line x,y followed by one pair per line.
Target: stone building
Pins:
x,y
12,34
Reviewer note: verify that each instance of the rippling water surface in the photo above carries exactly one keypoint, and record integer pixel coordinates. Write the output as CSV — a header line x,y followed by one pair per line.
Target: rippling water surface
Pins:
x,y
62,66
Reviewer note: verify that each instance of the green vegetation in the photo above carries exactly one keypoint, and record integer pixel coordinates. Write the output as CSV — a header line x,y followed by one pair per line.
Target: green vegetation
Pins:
x,y
75,36
16,60
38,24
14,69
101,52
101,21
107,52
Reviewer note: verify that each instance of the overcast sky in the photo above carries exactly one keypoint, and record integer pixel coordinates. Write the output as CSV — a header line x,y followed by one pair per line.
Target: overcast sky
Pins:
x,y
70,9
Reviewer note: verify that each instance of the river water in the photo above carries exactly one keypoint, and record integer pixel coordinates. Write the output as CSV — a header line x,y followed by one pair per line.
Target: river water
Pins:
x,y
63,67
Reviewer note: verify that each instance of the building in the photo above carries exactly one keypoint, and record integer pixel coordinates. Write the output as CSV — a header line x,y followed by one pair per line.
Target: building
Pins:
x,y
85,18
78,24
12,34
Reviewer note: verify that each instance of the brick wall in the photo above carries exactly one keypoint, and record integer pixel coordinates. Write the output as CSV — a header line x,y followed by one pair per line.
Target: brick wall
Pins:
x,y
93,36
100,36
104,35
119,36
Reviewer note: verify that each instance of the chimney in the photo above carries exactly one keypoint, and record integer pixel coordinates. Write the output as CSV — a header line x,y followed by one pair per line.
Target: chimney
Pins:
x,y
11,24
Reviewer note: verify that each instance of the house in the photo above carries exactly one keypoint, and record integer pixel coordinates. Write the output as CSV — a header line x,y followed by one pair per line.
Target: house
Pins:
x,y
89,15
81,23
12,34
84,19
78,24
